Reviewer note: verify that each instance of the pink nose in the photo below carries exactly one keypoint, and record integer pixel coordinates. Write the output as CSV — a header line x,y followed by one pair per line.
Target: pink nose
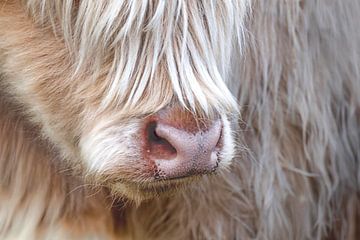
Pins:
x,y
181,151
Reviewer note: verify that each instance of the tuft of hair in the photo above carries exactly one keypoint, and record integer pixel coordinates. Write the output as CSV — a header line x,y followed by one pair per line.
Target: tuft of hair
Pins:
x,y
170,49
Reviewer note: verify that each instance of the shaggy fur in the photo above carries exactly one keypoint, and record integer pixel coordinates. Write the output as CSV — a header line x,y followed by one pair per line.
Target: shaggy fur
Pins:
x,y
78,77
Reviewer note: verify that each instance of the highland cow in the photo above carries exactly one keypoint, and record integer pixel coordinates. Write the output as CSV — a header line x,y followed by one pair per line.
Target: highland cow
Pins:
x,y
183,119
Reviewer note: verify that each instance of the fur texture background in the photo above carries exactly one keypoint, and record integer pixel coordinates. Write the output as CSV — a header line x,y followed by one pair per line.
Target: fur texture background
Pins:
x,y
293,67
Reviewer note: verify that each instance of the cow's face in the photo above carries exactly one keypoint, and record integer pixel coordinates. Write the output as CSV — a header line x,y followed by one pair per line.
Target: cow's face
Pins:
x,y
131,93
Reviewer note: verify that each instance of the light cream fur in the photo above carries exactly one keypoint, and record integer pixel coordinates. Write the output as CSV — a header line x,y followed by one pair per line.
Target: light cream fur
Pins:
x,y
77,78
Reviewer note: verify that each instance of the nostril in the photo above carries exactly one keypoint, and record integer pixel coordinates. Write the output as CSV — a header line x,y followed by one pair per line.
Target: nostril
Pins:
x,y
153,137
220,142
158,147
